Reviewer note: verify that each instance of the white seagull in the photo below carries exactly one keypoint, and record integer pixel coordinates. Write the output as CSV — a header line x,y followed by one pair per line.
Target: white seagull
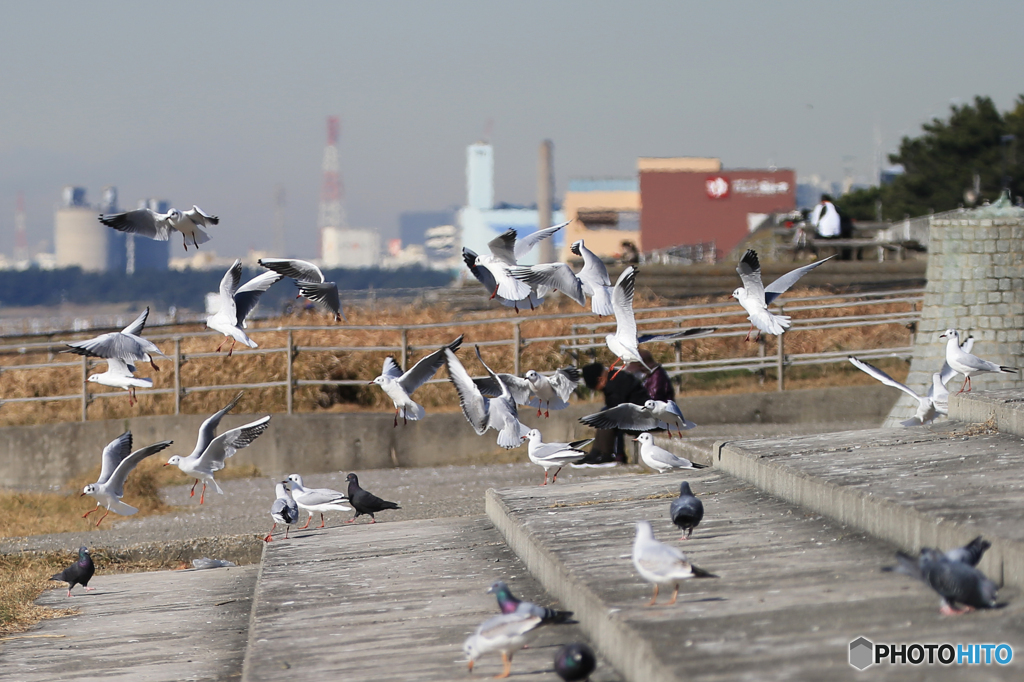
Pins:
x,y
117,464
967,364
624,342
551,455
492,270
755,297
400,386
236,302
929,406
535,389
662,564
668,411
310,280
120,374
204,465
506,633
659,458
316,499
483,413
626,417
595,280
591,281
126,345
207,432
284,510
158,226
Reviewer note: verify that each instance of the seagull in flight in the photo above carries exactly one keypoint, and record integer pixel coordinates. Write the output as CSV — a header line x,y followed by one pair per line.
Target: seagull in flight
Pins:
x,y
126,345
211,460
310,280
236,302
158,226
118,461
120,374
755,297
592,280
492,270
399,386
483,413
535,389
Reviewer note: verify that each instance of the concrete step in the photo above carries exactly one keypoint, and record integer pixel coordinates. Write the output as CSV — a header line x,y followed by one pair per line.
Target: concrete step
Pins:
x,y
146,627
794,589
1003,408
390,601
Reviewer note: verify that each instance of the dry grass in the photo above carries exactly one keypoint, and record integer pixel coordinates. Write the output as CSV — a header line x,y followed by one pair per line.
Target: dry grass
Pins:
x,y
364,366
26,576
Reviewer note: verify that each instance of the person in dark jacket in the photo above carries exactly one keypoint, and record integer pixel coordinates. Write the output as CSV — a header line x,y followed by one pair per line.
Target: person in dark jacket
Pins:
x,y
624,387
656,382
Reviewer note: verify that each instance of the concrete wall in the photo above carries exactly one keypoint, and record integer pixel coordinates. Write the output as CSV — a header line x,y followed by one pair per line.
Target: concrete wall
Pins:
x,y
33,457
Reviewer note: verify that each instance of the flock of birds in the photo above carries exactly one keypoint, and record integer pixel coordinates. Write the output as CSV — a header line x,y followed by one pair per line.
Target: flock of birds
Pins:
x,y
492,402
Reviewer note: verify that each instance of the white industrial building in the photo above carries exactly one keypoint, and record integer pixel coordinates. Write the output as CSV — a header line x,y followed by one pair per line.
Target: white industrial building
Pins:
x,y
79,238
349,248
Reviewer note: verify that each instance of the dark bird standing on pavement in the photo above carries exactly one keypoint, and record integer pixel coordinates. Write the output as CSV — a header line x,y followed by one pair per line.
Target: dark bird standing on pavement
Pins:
x,y
686,510
365,502
79,572
509,604
957,582
575,662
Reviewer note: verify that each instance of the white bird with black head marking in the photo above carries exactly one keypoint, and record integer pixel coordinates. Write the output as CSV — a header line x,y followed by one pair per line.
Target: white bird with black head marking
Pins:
x,y
118,461
207,433
755,297
400,385
120,374
236,303
662,564
126,345
535,389
492,270
211,460
148,223
316,499
551,455
661,459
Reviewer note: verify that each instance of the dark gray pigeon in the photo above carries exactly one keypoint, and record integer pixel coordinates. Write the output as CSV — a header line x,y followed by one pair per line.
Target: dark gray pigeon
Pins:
x,y
365,502
970,553
79,572
574,662
510,604
955,581
686,510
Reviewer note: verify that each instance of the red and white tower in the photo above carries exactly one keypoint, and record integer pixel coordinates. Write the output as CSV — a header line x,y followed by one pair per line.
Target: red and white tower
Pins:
x,y
332,215
20,235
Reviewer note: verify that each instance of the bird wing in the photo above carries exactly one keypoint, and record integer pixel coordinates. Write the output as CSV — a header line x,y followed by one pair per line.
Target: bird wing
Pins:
x,y
878,374
503,247
594,272
324,295
552,275
661,559
208,429
663,456
749,270
520,388
198,216
300,270
474,405
116,482
685,334
564,381
119,367
508,626
391,368
427,367
230,442
782,284
316,496
136,327
248,295
673,408
142,222
114,454
627,416
228,286
112,345
483,275
526,244
622,303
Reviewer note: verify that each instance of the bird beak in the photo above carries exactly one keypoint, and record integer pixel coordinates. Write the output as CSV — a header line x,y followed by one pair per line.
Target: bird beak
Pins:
x,y
81,494
369,383
166,463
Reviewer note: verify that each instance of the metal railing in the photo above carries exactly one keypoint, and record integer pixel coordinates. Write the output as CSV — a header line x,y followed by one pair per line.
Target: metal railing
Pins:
x,y
584,339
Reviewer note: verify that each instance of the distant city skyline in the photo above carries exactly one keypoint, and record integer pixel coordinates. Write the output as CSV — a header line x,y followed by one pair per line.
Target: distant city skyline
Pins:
x,y
220,104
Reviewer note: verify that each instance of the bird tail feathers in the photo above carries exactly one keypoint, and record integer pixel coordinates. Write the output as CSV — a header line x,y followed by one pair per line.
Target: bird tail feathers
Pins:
x,y
701,573
414,412
1008,370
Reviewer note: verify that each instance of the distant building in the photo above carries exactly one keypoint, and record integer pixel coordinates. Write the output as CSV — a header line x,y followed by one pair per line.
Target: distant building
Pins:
x,y
350,248
413,225
80,240
129,252
604,212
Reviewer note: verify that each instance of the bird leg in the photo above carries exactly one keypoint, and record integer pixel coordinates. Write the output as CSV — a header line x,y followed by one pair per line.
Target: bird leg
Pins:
x,y
967,383
102,517
495,292
372,519
287,527
545,477
90,511
88,589
221,344
202,496
270,535
192,493
615,362
675,593
555,477
538,411
655,597
183,241
322,520
949,610
546,412
747,337
69,591
194,240
506,662
308,519
131,396
396,419
405,420
232,349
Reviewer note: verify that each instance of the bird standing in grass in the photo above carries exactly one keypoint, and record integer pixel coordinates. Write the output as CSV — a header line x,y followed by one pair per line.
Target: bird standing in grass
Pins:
x,y
365,502
79,572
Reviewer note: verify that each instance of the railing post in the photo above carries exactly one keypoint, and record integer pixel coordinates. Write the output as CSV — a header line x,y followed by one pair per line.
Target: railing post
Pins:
x,y
517,343
288,372
781,362
405,349
85,388
177,375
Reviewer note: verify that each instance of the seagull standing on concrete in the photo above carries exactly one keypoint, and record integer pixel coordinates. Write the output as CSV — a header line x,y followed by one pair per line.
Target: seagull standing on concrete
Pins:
x,y
118,462
120,374
661,459
158,226
506,633
316,499
967,364
126,345
204,465
310,280
686,511
78,573
662,564
236,302
755,297
551,455
483,413
284,511
399,386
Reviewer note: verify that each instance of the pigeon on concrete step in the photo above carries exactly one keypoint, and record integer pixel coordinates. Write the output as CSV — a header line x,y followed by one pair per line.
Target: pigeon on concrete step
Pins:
x,y
574,662
79,572
662,564
955,581
686,511
365,502
509,604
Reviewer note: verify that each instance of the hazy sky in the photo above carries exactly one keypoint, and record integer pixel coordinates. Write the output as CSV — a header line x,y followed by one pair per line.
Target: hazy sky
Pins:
x,y
216,103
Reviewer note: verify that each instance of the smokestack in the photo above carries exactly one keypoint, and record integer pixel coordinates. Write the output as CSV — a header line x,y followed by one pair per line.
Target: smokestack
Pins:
x,y
545,195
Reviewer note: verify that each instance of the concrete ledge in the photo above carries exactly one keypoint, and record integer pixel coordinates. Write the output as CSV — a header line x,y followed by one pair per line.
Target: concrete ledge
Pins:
x,y
1004,408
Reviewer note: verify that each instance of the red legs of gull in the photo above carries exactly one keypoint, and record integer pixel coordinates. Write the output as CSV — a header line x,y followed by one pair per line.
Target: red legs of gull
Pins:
x,y
675,593
655,597
232,349
555,477
155,368
495,293
223,341
506,663
967,384
396,420
183,241
322,521
102,517
613,367
194,240
270,535
545,477
192,493
86,514
203,495
747,337
308,519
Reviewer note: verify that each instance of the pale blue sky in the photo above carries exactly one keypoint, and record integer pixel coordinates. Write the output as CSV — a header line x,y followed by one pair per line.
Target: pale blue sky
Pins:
x,y
216,103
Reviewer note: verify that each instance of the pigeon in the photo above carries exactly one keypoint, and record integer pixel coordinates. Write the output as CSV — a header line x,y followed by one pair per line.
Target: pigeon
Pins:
x,y
963,362
365,502
661,459
686,511
626,417
668,411
118,462
624,342
929,406
483,413
78,573
316,499
284,510
121,374
662,564
970,553
126,345
310,280
400,386
509,604
204,464
755,297
535,389
955,581
574,662
158,226
550,455
236,302
506,633
492,270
